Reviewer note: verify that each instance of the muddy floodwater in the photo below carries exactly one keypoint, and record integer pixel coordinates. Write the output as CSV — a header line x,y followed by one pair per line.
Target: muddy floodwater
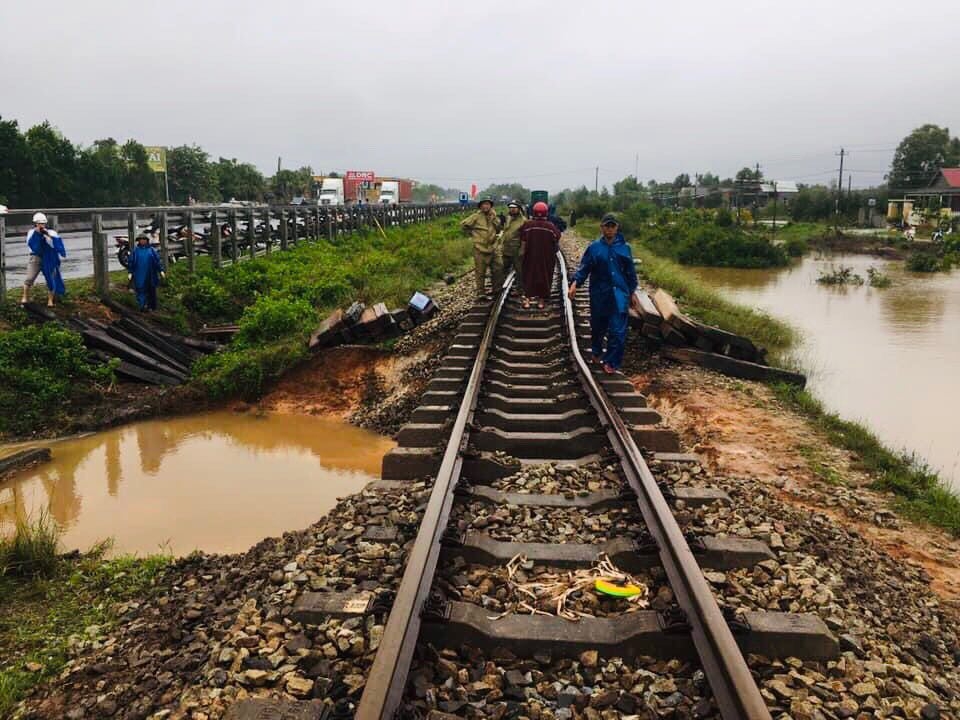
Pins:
x,y
217,482
889,357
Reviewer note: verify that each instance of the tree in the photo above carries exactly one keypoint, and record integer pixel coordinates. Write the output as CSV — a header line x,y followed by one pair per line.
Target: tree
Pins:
x,y
708,179
142,186
101,174
288,184
239,180
14,164
191,175
681,181
514,191
51,181
920,155
427,192
749,175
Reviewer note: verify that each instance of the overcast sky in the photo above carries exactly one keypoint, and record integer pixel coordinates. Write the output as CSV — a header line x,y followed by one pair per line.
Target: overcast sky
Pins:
x,y
454,93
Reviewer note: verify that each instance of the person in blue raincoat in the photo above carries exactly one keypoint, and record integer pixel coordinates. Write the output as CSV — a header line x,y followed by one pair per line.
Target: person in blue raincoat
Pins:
x,y
608,263
46,249
145,269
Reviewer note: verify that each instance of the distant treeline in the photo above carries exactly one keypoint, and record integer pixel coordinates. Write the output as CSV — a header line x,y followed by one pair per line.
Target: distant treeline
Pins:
x,y
42,168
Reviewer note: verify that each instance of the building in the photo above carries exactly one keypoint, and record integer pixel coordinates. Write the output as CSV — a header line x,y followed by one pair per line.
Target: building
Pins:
x,y
942,193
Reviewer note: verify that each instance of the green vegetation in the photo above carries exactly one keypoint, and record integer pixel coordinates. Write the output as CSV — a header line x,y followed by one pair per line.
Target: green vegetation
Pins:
x,y
842,275
42,168
278,300
877,278
32,551
943,256
921,494
45,373
922,261
42,614
705,238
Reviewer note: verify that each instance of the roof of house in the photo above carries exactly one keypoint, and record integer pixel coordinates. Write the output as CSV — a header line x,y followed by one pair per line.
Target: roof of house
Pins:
x,y
783,186
952,176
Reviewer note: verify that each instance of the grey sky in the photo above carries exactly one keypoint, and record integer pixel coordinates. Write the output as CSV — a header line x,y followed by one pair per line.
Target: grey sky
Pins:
x,y
539,92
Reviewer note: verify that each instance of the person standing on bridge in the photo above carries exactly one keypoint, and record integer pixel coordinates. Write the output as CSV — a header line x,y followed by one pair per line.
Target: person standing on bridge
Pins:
x,y
483,226
510,238
539,239
46,249
146,269
608,263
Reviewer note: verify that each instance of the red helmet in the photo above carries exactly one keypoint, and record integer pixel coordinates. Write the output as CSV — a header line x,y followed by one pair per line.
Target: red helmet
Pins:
x,y
540,209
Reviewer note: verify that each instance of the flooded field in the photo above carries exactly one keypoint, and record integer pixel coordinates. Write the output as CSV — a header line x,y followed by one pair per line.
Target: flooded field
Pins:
x,y
217,482
885,356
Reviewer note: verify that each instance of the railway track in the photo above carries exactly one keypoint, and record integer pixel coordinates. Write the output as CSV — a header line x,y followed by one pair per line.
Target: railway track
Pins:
x,y
514,397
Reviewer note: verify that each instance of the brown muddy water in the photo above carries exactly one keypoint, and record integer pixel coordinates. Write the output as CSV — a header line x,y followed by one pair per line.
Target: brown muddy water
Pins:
x,y
217,482
888,357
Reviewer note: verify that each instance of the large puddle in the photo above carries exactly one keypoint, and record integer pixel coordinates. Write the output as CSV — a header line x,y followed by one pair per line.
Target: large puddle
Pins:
x,y
217,482
887,356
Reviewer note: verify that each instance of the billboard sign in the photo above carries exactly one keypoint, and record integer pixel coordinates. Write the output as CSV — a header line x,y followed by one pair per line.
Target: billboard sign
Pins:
x,y
361,175
157,158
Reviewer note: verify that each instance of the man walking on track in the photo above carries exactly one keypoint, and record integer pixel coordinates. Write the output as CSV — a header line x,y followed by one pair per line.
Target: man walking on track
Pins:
x,y
510,238
483,226
538,239
608,263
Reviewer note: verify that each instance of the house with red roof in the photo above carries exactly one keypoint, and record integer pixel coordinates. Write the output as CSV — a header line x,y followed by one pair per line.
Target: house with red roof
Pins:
x,y
943,191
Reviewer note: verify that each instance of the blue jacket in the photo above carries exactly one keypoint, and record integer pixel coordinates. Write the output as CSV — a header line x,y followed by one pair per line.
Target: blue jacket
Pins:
x,y
612,275
145,265
50,249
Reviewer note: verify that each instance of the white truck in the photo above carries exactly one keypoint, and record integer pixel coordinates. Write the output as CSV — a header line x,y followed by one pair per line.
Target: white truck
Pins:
x,y
331,192
389,192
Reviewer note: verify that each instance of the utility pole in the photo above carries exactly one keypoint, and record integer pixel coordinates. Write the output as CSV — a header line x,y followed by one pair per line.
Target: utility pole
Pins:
x,y
849,185
596,180
840,181
278,163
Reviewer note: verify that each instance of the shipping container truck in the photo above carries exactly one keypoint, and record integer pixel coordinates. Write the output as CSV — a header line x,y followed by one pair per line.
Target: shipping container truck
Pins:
x,y
393,192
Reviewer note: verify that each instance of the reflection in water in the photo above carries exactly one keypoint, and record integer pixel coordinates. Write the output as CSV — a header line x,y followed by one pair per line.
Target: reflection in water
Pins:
x,y
217,482
888,356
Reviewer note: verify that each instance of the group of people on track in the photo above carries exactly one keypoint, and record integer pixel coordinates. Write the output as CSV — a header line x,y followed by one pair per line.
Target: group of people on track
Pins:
x,y
529,248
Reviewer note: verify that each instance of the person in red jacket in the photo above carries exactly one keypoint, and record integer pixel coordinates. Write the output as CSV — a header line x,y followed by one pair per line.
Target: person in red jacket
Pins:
x,y
539,240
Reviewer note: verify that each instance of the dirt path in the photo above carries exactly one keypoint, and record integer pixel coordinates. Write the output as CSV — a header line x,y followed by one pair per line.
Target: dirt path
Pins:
x,y
741,429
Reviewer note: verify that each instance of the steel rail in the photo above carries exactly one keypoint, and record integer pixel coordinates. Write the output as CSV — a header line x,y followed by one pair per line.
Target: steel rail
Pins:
x,y
388,676
734,688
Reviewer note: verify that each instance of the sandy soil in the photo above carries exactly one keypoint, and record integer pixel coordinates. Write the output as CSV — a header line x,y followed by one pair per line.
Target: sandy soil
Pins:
x,y
337,382
740,428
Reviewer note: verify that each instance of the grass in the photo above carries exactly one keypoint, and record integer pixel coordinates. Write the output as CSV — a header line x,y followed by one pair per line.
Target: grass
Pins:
x,y
920,493
48,602
32,551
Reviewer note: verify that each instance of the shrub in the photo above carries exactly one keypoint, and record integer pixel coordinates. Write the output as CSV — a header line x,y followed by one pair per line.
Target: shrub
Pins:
x,y
43,370
272,318
922,262
796,247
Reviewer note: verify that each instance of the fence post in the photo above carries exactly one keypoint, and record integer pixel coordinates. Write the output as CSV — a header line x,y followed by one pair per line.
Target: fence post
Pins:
x,y
101,277
3,260
232,221
164,230
267,232
188,242
216,242
132,230
329,217
284,240
252,233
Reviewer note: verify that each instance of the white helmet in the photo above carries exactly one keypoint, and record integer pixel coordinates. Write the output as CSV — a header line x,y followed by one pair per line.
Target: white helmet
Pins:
x,y
39,218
